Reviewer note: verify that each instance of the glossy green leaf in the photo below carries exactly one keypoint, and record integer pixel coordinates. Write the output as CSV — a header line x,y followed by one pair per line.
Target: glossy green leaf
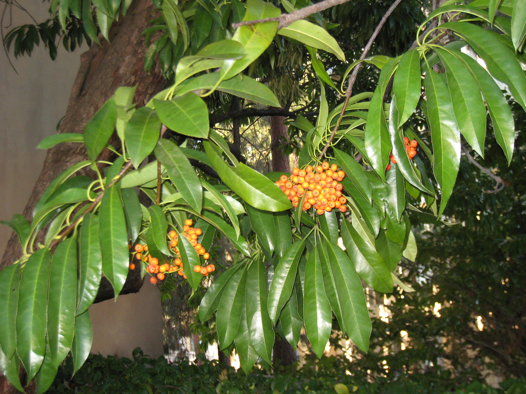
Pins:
x,y
171,21
55,139
291,320
319,68
10,368
125,108
411,250
230,308
317,310
262,223
238,242
241,86
283,234
223,202
133,213
329,226
113,239
140,177
355,173
499,110
213,295
9,287
186,114
390,251
47,373
368,263
329,282
63,12
445,135
468,105
31,318
160,228
87,22
499,59
283,279
90,262
518,24
350,294
62,301
369,212
100,128
181,173
104,21
142,134
314,36
253,187
190,259
255,38
202,25
82,340
395,197
260,329
20,226
407,85
247,355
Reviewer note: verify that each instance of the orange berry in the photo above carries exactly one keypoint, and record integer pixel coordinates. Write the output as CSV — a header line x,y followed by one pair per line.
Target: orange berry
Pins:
x,y
329,173
319,169
342,200
210,268
302,173
153,280
320,211
325,165
206,256
283,178
138,256
328,209
151,269
180,273
334,168
193,242
388,167
162,268
412,154
172,234
154,261
288,185
406,140
413,144
204,271
145,248
198,231
393,160
201,251
341,174
132,266
178,262
186,228
188,222
139,248
173,243
308,169
343,209
339,187
197,268
160,276
295,171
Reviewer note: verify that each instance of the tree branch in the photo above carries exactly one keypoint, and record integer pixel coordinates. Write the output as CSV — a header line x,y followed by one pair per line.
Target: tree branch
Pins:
x,y
244,113
286,19
354,75
500,183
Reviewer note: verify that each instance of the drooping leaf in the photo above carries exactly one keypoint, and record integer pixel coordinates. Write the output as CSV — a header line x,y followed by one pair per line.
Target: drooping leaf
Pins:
x,y
87,22
369,212
142,134
190,259
329,282
140,177
82,340
133,213
55,139
202,25
186,114
10,368
518,24
407,85
390,251
329,226
247,355
314,36
317,310
9,288
160,228
223,202
238,242
291,320
104,20
113,238
355,173
283,233
100,128
46,375
395,189
31,318
263,225
20,226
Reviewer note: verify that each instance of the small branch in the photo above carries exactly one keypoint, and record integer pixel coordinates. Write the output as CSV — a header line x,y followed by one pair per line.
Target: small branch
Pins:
x,y
245,113
286,19
95,202
354,75
500,183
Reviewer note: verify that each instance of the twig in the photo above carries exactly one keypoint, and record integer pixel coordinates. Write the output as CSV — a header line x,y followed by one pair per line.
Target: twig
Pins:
x,y
95,202
286,19
354,75
500,183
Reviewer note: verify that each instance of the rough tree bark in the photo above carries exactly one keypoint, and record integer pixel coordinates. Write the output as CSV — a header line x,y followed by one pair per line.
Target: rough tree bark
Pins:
x,y
103,69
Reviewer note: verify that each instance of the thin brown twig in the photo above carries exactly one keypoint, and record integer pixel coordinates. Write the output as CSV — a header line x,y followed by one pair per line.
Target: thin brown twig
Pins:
x,y
354,75
500,183
286,19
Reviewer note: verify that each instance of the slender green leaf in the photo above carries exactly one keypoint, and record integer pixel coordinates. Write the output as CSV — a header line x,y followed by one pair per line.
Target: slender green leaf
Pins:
x,y
140,177
190,259
87,22
247,355
47,373
186,114
9,288
518,24
223,202
202,25
10,368
82,340
263,225
142,134
230,308
104,21
395,197
329,282
355,173
238,242
100,128
369,212
20,226
291,320
160,228
133,213
407,85
55,139
390,251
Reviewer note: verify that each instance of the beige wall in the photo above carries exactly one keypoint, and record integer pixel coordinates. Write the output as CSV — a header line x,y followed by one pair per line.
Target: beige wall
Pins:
x,y
31,105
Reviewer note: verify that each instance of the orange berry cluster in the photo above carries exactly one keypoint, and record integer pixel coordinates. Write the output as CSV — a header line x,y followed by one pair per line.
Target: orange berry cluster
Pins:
x,y
410,147
320,185
159,271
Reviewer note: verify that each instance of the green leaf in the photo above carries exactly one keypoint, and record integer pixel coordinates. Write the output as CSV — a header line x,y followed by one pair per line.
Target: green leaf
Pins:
x,y
290,319
160,228
283,233
247,355
499,59
262,223
142,134
181,173
255,38
329,226
202,25
133,213
104,21
181,21
499,110
395,197
100,128
63,12
407,85
62,301
213,295
186,114
10,368
20,226
238,242
368,262
47,373
87,22
9,288
354,173
283,279
369,212
518,24
90,262
319,68
317,310
230,307
330,284
190,259
411,250
350,294
390,251
171,21
55,139
241,86
467,103
260,329
113,239
31,318
140,177
253,187
445,135
82,340
314,36
196,155
223,202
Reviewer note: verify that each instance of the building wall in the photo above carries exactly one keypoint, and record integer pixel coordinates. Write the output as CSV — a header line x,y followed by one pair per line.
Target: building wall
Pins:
x,y
32,103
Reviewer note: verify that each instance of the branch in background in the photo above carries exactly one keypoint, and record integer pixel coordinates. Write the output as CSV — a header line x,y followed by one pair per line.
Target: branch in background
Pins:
x,y
500,183
354,75
245,113
203,167
286,19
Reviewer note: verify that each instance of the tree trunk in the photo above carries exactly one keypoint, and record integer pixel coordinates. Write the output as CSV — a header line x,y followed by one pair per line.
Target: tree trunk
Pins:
x,y
103,69
177,317
284,354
